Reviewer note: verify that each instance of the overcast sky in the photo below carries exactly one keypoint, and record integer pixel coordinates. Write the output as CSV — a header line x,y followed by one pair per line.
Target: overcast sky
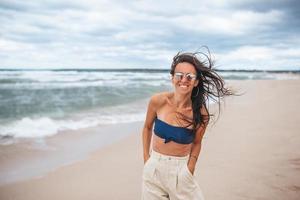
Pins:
x,y
249,34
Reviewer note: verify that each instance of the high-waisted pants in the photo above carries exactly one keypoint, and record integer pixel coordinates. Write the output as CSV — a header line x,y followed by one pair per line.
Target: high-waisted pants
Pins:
x,y
168,177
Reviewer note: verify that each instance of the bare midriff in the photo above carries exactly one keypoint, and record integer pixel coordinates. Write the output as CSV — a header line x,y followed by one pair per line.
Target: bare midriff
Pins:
x,y
170,148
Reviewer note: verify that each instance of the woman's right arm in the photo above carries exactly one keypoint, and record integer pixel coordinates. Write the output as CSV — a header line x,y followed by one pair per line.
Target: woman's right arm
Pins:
x,y
147,130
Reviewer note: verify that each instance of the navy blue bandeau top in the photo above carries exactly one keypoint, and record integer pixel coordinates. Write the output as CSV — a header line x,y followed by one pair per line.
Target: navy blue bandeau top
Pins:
x,y
173,133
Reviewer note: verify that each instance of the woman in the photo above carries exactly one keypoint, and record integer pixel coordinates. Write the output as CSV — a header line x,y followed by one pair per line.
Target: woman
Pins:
x,y
180,119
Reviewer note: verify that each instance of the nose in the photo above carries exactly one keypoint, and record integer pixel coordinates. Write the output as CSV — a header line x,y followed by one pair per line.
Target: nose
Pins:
x,y
184,79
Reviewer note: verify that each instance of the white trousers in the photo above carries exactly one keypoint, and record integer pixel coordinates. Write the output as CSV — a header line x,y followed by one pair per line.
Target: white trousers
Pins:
x,y
168,177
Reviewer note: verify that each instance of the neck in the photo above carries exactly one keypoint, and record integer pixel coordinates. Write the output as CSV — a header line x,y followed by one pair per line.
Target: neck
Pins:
x,y
182,101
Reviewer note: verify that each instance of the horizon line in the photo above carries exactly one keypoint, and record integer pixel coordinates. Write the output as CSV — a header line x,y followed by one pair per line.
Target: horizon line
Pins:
x,y
141,69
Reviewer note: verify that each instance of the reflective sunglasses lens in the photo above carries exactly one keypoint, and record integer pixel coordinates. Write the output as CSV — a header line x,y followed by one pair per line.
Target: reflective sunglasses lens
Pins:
x,y
178,76
190,77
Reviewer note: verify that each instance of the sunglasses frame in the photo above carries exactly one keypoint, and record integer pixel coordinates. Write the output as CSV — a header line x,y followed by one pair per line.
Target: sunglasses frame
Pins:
x,y
189,76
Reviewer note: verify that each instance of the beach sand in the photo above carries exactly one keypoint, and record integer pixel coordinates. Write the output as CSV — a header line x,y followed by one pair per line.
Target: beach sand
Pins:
x,y
250,152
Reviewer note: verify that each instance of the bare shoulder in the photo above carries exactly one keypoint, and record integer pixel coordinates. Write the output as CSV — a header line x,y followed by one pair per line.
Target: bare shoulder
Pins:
x,y
160,99
204,110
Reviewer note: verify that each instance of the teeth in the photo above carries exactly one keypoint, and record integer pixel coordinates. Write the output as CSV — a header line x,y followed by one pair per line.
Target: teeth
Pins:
x,y
184,86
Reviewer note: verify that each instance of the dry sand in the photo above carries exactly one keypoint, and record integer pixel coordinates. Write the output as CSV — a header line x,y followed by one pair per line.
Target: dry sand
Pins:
x,y
251,152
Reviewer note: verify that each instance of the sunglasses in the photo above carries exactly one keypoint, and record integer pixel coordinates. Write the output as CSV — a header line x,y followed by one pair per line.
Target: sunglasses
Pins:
x,y
189,76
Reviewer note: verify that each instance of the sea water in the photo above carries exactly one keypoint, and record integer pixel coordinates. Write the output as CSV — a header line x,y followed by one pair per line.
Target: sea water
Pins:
x,y
42,103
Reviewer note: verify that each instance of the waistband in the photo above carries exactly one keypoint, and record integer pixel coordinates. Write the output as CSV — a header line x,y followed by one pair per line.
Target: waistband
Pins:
x,y
159,156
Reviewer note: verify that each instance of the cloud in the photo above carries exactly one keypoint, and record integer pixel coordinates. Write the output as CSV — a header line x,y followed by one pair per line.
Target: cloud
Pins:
x,y
233,23
260,57
141,33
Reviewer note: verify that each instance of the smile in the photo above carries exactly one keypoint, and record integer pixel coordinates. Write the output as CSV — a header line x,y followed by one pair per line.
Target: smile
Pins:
x,y
183,86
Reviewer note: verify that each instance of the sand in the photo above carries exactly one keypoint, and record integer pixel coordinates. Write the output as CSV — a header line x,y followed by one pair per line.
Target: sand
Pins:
x,y
250,152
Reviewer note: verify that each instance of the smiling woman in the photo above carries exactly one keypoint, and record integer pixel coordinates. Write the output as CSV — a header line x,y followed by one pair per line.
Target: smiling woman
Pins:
x,y
180,119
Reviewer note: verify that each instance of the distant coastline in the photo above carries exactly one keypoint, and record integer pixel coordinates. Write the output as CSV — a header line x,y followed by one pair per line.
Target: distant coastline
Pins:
x,y
148,70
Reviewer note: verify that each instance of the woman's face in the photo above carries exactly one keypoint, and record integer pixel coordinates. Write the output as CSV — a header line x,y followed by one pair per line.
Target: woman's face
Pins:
x,y
184,78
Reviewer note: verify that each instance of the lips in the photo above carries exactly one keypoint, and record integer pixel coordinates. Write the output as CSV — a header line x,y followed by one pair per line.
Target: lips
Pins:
x,y
183,86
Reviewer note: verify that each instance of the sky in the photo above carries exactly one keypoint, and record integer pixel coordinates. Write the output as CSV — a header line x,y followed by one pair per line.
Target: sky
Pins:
x,y
248,34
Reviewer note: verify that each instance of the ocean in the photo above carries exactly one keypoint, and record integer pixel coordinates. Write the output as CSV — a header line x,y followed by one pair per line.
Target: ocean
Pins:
x,y
41,103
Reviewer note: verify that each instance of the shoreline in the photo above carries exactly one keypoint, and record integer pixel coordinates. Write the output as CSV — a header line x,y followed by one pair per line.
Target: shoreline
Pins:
x,y
250,152
39,157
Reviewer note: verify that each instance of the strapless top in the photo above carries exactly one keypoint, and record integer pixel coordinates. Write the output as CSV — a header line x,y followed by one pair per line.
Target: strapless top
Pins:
x,y
169,132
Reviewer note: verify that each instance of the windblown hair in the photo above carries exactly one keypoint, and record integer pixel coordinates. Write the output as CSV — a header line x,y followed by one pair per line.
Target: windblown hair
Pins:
x,y
210,86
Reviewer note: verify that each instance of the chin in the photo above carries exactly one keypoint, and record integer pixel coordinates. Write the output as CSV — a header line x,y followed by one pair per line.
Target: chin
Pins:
x,y
181,91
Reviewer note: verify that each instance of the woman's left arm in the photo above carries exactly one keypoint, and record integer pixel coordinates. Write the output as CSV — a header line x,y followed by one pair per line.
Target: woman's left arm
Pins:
x,y
196,148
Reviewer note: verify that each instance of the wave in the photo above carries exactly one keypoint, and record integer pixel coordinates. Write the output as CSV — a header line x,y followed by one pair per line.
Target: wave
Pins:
x,y
45,127
43,103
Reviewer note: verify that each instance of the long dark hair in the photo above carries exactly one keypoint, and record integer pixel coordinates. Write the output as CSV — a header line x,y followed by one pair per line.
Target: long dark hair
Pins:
x,y
210,85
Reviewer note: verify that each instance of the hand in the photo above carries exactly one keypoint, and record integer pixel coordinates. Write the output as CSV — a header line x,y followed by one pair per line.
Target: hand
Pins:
x,y
146,158
191,168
